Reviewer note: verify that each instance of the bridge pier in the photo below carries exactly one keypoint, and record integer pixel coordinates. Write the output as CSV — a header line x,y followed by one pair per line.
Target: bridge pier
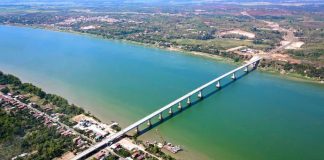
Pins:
x,y
200,95
184,99
188,101
137,130
246,69
149,123
233,76
218,85
170,111
179,106
160,116
254,65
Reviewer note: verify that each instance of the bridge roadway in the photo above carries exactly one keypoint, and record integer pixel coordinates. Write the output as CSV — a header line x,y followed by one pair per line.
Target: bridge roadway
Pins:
x,y
108,140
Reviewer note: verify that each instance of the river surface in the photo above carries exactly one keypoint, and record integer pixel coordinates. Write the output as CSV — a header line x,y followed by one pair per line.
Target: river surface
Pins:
x,y
259,116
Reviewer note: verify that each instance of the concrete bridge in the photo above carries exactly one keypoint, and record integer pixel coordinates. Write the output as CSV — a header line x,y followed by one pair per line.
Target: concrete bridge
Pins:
x,y
250,66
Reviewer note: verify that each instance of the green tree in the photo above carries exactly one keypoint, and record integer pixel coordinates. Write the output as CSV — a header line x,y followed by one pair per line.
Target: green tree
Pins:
x,y
5,90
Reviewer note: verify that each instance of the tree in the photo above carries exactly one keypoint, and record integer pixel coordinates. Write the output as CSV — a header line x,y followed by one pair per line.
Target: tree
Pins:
x,y
5,90
9,79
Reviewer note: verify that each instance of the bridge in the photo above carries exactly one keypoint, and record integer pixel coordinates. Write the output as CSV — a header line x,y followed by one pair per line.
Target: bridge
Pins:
x,y
249,66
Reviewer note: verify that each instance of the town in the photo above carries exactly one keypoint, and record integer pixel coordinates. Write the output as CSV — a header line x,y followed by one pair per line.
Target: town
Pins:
x,y
83,130
161,79
288,44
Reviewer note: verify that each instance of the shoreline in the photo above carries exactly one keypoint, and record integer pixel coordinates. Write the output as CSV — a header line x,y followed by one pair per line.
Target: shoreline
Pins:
x,y
22,99
94,114
290,76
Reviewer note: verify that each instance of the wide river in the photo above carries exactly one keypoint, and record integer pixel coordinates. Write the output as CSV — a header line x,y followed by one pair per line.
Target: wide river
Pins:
x,y
260,116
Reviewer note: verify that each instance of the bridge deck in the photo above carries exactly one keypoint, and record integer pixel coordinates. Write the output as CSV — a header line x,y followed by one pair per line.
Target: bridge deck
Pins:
x,y
150,116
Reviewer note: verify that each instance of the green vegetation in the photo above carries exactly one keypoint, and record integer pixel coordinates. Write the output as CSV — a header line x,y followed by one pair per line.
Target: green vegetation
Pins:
x,y
305,70
187,27
268,38
29,88
208,46
116,128
309,27
62,105
122,152
309,53
9,79
21,133
5,90
157,151
47,142
112,157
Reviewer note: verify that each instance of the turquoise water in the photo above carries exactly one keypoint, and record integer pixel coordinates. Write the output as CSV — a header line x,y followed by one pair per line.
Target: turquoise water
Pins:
x,y
260,116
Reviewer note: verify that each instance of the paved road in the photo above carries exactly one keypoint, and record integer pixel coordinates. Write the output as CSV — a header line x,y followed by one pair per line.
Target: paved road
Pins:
x,y
108,140
56,121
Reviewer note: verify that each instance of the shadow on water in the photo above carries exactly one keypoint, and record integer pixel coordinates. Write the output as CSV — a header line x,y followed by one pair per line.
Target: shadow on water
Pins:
x,y
194,102
197,100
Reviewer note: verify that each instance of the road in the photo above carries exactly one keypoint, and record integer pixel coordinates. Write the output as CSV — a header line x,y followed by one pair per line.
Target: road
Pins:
x,y
55,120
289,33
111,138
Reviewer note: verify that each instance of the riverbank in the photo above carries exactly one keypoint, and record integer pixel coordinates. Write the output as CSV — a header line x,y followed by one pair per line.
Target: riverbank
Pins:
x,y
292,76
59,115
129,82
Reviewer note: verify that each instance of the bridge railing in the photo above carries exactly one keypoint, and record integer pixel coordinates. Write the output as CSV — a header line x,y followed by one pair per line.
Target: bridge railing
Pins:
x,y
252,64
216,81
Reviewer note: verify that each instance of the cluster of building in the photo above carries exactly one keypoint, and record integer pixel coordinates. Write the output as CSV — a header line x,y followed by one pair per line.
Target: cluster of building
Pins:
x,y
124,149
56,116
167,146
249,51
10,102
93,129
243,50
80,143
102,155
135,153
72,20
